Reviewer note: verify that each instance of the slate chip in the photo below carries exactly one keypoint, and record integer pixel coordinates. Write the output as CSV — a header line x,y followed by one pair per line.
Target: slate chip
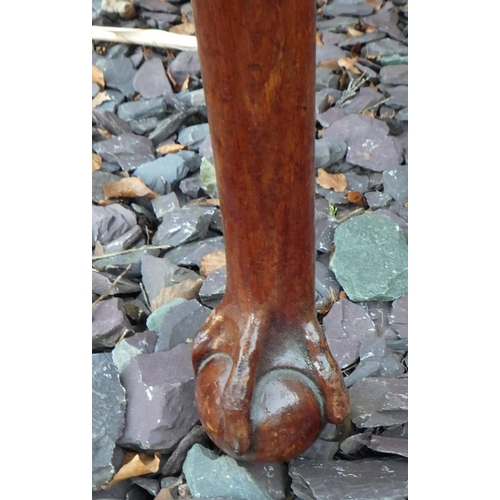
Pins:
x,y
162,173
151,80
168,126
394,75
193,135
385,47
130,347
111,122
118,74
214,287
141,109
346,9
186,63
396,183
190,254
99,179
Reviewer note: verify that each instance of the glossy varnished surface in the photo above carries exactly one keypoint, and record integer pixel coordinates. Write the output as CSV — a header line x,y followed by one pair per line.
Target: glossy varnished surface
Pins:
x,y
266,381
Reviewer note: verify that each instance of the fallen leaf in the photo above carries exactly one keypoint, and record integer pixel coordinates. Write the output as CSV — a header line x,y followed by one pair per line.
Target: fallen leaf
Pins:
x,y
170,148
185,84
332,64
342,295
187,289
164,494
130,187
105,133
353,32
98,76
183,29
348,64
405,205
337,182
376,4
356,198
171,78
369,112
212,261
96,162
319,41
135,464
100,98
98,249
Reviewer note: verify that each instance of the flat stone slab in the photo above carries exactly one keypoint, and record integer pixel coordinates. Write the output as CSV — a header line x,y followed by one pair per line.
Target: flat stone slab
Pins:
x,y
151,80
210,475
366,479
162,173
109,321
371,258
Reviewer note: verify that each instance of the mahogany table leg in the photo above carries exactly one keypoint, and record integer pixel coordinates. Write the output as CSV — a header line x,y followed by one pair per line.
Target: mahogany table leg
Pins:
x,y
266,381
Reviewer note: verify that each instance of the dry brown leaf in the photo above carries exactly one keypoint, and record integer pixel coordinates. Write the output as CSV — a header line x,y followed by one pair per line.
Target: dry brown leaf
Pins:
x,y
98,76
369,112
105,133
405,205
98,249
100,98
348,64
376,4
170,148
342,295
332,64
212,261
130,187
356,198
171,78
135,464
351,32
337,182
187,289
186,28
185,84
164,494
319,41
96,162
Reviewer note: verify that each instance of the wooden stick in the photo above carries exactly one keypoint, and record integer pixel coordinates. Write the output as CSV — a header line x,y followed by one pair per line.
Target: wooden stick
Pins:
x,y
148,38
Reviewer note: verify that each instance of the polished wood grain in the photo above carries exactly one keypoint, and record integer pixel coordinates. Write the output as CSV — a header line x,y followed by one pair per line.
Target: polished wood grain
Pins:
x,y
266,381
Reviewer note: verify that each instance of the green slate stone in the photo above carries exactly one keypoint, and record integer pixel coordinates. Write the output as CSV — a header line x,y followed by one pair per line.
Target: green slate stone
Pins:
x,y
371,258
208,181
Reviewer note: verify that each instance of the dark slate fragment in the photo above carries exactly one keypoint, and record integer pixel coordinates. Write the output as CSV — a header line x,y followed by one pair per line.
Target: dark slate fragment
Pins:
x,y
164,204
325,52
365,98
196,435
99,180
152,486
191,186
321,154
143,108
206,151
159,6
362,39
118,74
398,318
111,122
186,63
396,183
398,97
346,325
190,254
192,159
213,289
181,323
338,24
159,273
366,479
364,369
130,347
193,135
386,20
356,182
128,150
168,126
321,450
110,222
402,115
346,9
194,98
160,400
183,225
124,241
324,229
385,47
394,75
324,283
377,401
330,38
95,89
108,418
102,283
144,126
368,142
115,98
118,50
356,442
166,170
325,78
386,444
151,80
376,199
161,20
330,116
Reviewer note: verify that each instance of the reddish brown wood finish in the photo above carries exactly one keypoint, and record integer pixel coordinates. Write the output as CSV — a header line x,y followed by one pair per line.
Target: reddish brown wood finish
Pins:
x,y
266,381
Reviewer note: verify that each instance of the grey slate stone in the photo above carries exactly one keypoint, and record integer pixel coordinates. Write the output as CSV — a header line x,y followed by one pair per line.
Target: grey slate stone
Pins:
x,y
193,135
368,142
181,322
356,182
365,97
102,282
141,109
116,98
168,126
144,126
394,75
109,321
396,183
325,52
205,150
166,170
398,318
190,254
208,179
387,444
108,418
156,318
159,273
338,24
160,400
118,74
330,116
127,150
209,475
151,80
183,225
130,347
378,401
385,47
124,241
371,258
191,186
185,63
326,78
386,20
116,264
111,122
99,180
366,479
192,159
346,325
361,39
346,9
403,224
193,98
398,97
213,289
321,450
377,199
164,204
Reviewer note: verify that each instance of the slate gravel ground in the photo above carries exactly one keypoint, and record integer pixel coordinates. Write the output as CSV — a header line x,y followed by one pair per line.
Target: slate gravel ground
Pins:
x,y
151,290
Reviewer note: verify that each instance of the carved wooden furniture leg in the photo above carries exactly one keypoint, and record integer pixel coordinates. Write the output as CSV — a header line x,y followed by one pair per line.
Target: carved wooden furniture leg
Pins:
x,y
266,381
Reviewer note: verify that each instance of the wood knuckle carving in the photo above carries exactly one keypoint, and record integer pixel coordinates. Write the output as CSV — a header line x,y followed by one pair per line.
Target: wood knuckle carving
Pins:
x,y
266,381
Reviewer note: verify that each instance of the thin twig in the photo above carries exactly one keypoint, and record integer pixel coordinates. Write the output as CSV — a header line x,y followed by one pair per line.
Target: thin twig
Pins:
x,y
377,104
106,293
122,336
144,294
130,250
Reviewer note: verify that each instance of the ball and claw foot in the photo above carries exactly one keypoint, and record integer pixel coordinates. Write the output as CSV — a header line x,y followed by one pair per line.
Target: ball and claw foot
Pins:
x,y
265,385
